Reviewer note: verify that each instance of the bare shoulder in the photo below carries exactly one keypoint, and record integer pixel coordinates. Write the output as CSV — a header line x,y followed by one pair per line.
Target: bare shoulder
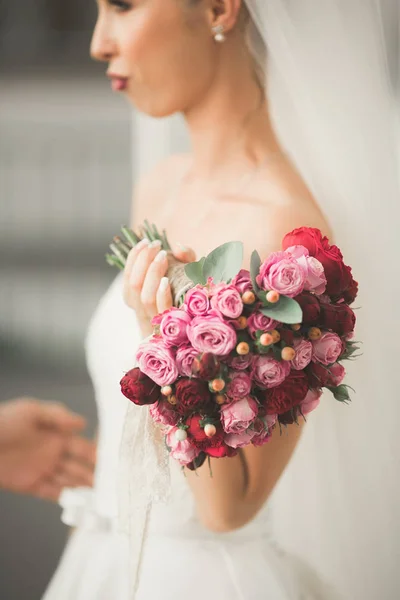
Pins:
x,y
152,186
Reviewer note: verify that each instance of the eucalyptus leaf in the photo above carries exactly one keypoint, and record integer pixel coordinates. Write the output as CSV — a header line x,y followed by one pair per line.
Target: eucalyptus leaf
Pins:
x,y
286,310
224,262
255,264
194,271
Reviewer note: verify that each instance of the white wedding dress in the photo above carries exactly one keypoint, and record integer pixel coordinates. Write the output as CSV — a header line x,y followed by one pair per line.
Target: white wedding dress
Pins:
x,y
181,559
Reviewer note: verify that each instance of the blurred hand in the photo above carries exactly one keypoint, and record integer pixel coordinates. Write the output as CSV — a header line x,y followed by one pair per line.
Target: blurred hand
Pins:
x,y
146,289
40,450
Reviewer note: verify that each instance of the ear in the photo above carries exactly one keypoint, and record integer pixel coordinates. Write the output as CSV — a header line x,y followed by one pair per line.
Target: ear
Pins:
x,y
225,13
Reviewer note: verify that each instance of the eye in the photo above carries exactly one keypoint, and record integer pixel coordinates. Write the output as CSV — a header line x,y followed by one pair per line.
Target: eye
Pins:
x,y
120,6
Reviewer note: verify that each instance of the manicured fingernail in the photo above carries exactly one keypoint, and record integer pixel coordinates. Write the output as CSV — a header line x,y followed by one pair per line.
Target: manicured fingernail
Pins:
x,y
164,284
144,242
155,244
160,256
182,247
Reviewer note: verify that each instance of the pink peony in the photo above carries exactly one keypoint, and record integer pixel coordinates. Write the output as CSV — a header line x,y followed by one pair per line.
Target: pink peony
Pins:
x,y
173,327
184,452
212,334
239,440
239,386
257,321
269,372
327,349
157,361
197,302
316,280
304,351
242,281
228,301
185,356
237,416
282,273
162,412
311,401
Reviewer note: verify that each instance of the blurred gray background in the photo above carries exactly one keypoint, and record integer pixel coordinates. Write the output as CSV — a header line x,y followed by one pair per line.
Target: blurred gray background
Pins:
x,y
65,189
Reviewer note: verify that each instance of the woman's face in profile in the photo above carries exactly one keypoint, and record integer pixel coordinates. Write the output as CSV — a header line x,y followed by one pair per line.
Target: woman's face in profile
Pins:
x,y
161,52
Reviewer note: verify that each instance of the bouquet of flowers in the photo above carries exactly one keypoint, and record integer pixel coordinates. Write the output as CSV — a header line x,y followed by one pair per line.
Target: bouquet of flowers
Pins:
x,y
243,351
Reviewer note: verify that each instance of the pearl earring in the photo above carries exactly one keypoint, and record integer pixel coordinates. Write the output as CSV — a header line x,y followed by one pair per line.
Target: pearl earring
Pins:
x,y
218,32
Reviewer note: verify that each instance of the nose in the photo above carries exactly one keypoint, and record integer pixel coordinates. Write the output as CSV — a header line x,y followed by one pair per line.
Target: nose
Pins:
x,y
102,46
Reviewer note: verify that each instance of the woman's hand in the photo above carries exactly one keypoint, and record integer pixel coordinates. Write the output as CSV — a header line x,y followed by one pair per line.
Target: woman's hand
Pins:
x,y
146,289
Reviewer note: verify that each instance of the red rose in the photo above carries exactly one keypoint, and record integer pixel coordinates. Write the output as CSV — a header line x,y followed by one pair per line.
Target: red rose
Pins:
x,y
350,294
287,336
337,317
290,417
310,306
291,392
206,366
221,451
190,394
317,374
139,388
195,430
338,275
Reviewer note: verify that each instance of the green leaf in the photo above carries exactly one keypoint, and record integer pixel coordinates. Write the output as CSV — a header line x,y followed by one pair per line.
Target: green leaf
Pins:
x,y
255,264
224,262
194,271
286,310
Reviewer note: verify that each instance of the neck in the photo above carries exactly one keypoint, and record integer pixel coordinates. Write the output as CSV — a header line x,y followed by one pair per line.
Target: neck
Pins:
x,y
231,124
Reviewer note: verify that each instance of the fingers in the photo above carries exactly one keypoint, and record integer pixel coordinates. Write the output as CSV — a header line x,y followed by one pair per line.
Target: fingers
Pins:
x,y
59,417
164,298
81,450
184,254
74,474
48,490
151,285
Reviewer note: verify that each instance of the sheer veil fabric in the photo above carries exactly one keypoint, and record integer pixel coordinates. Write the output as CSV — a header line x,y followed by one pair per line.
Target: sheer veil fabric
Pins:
x,y
332,77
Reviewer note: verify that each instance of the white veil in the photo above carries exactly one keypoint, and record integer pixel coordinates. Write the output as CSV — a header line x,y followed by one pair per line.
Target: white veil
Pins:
x,y
333,84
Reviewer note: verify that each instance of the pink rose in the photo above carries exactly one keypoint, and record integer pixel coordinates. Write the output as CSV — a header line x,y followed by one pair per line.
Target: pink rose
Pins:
x,y
304,351
241,362
184,452
269,372
336,374
316,280
311,401
212,334
239,386
257,321
242,281
185,356
282,273
237,416
162,412
197,302
327,349
157,361
173,327
239,440
263,430
228,301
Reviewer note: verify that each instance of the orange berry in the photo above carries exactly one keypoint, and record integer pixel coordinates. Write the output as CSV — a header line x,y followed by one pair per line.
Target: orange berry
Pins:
x,y
273,296
296,327
218,385
172,400
210,430
242,322
266,339
276,336
220,399
248,297
314,333
288,353
243,348
166,390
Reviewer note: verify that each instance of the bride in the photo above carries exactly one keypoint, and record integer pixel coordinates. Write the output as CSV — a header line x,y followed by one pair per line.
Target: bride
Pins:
x,y
250,176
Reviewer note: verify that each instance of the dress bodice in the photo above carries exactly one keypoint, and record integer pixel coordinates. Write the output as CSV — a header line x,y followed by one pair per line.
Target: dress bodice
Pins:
x,y
111,342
